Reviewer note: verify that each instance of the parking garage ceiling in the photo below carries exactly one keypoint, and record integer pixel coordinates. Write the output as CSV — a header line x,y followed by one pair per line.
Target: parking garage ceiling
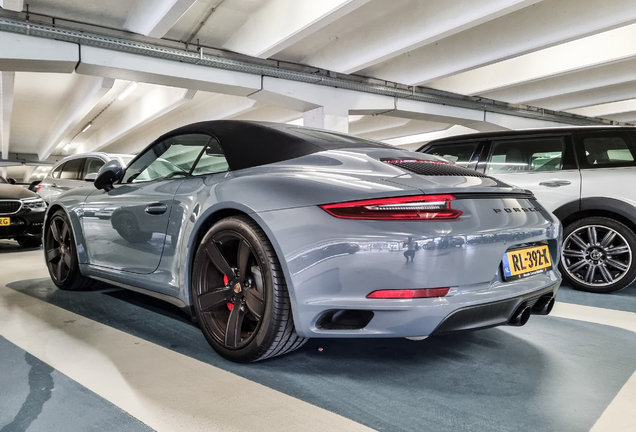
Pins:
x,y
574,59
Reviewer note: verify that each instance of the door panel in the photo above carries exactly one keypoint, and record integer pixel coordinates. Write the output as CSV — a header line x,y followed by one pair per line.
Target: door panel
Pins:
x,y
552,189
542,165
126,228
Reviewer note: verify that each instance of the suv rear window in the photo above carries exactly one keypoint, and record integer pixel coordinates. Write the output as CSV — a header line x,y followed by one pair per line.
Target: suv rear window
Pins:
x,y
544,154
607,151
461,154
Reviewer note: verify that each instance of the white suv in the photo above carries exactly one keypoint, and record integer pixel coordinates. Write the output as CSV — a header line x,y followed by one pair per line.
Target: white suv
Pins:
x,y
76,171
586,176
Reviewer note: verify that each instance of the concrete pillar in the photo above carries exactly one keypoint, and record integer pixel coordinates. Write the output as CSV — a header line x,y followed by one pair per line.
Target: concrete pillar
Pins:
x,y
3,172
323,118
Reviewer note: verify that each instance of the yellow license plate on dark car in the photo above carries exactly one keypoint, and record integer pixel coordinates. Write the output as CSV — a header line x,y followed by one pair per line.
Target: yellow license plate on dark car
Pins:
x,y
5,221
521,263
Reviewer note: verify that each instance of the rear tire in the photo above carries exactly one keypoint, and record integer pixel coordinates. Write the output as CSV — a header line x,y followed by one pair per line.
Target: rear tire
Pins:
x,y
61,256
598,255
239,293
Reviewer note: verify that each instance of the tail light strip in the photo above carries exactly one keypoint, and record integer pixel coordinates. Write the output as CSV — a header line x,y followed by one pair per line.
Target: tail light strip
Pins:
x,y
419,207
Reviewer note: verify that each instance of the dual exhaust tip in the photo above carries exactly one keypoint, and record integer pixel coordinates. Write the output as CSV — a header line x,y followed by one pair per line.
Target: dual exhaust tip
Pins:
x,y
521,315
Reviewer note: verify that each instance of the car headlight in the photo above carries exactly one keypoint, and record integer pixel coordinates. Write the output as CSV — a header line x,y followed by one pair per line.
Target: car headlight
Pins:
x,y
33,203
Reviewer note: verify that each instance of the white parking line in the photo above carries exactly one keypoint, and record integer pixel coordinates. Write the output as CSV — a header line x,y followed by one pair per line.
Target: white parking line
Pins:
x,y
619,414
164,389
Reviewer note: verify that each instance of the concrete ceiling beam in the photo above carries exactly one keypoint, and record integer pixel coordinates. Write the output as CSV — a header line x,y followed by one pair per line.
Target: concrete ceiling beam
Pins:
x,y
553,87
371,124
415,141
12,5
210,107
22,53
499,122
155,104
604,110
546,24
155,18
133,67
595,96
87,92
7,84
269,113
303,97
627,117
413,26
281,23
413,127
607,47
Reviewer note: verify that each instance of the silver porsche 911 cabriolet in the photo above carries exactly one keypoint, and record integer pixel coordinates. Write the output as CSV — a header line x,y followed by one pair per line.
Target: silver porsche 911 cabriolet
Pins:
x,y
270,234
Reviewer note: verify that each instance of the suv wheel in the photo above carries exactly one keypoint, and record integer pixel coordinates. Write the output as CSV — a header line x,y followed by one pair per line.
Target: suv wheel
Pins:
x,y
598,255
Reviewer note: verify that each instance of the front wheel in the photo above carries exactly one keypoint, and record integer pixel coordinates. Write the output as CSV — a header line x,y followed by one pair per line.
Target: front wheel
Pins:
x,y
239,293
598,255
61,256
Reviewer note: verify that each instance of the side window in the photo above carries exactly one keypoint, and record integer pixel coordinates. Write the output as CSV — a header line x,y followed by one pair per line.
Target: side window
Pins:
x,y
461,154
72,169
56,172
212,160
608,151
541,154
170,158
92,165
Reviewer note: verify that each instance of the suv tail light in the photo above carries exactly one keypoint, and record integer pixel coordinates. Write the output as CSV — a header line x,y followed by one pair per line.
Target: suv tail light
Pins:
x,y
419,207
37,189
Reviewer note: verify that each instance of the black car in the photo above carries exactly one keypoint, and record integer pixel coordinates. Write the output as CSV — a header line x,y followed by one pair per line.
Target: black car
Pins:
x,y
21,214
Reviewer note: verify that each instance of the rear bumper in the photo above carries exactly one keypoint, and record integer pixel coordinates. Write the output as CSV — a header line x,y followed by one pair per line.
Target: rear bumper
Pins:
x,y
332,264
489,314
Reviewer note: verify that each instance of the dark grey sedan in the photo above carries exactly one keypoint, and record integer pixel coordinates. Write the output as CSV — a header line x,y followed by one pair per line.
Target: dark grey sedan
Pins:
x,y
271,234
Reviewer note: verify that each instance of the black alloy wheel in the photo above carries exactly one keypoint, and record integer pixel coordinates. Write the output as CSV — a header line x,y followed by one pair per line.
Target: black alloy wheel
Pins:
x,y
239,293
598,255
61,257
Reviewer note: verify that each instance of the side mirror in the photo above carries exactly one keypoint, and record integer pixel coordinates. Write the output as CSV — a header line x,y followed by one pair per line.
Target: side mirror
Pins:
x,y
90,177
11,180
108,174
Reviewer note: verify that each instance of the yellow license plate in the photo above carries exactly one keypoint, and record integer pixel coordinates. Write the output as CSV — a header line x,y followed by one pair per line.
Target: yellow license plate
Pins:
x,y
4,221
526,262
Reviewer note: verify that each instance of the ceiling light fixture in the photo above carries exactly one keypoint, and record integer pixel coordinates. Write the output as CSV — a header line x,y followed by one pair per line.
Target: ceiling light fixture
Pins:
x,y
87,127
67,146
128,90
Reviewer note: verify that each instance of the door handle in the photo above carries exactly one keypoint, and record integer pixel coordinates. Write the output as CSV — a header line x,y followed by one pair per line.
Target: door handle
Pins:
x,y
156,209
555,183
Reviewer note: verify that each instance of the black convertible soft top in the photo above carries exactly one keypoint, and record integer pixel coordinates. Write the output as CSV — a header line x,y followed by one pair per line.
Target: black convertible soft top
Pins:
x,y
249,144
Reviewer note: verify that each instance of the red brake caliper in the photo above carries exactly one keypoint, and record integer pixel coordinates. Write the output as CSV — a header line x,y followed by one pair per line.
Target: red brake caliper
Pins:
x,y
226,281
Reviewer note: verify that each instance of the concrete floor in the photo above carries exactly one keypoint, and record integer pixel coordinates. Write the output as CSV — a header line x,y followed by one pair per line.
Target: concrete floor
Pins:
x,y
109,360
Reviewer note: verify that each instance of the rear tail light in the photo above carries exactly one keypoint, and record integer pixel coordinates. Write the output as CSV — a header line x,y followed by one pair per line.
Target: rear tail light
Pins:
x,y
37,190
409,293
420,207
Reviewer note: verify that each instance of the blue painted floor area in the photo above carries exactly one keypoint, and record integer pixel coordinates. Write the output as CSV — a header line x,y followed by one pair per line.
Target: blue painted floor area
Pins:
x,y
35,397
624,300
551,375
